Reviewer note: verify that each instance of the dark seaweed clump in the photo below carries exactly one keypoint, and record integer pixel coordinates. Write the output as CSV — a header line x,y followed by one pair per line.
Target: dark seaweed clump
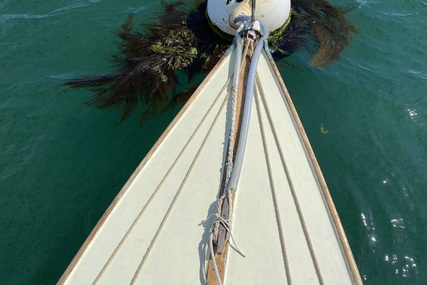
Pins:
x,y
317,26
147,63
182,39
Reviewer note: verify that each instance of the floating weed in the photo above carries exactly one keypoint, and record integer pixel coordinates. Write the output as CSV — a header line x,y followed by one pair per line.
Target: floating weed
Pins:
x,y
323,130
183,40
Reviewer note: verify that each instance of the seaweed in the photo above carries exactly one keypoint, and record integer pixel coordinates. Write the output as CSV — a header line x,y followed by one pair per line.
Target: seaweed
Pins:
x,y
182,39
319,27
147,63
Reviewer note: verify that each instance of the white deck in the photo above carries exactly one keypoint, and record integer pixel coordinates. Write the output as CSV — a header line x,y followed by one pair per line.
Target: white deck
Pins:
x,y
152,232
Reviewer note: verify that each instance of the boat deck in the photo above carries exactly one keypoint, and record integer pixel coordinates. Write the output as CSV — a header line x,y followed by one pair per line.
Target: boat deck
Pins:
x,y
157,229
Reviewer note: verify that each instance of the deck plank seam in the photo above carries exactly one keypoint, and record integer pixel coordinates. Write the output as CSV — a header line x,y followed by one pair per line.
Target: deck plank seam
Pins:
x,y
134,279
153,195
272,187
289,179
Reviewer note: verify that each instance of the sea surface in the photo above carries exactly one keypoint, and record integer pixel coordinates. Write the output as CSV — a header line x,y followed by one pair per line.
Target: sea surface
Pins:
x,y
62,162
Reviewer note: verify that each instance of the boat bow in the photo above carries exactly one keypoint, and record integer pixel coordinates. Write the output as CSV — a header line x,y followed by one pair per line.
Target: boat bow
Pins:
x,y
159,228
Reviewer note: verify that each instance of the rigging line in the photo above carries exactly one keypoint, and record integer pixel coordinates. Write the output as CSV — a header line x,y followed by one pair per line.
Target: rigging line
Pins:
x,y
218,277
234,89
253,3
153,195
227,225
247,106
272,187
175,198
291,185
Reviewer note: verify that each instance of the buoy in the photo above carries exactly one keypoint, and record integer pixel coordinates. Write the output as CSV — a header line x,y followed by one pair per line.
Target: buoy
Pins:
x,y
222,13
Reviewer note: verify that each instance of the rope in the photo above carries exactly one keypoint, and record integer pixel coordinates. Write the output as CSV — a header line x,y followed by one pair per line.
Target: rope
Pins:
x,y
218,213
234,89
229,161
218,277
233,169
253,12
291,185
230,170
227,226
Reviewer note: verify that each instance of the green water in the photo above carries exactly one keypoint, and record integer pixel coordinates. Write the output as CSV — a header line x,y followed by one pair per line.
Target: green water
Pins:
x,y
62,162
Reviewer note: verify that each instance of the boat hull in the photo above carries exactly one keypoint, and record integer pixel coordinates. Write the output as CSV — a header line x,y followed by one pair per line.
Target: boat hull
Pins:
x,y
157,229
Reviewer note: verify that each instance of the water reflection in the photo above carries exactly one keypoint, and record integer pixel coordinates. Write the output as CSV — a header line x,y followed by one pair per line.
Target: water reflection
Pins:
x,y
383,236
398,223
371,230
412,113
403,266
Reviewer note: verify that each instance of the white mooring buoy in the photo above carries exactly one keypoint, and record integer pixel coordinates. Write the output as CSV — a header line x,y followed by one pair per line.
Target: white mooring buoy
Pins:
x,y
273,13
